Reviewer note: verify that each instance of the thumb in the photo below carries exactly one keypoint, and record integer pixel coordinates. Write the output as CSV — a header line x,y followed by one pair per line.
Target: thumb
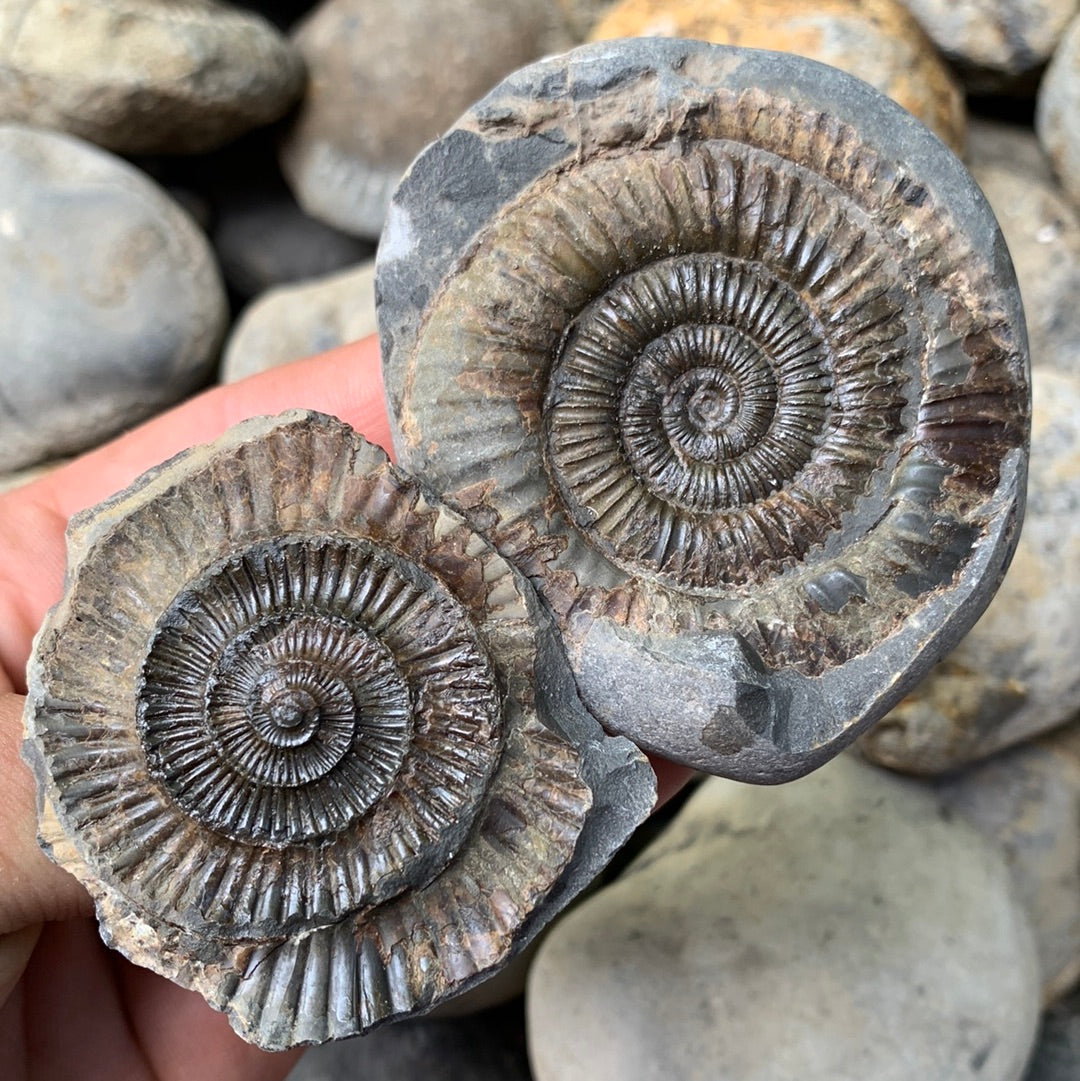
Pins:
x,y
32,888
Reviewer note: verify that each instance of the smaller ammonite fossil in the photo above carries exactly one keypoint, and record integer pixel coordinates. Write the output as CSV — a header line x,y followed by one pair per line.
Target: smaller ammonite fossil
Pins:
x,y
309,741
723,349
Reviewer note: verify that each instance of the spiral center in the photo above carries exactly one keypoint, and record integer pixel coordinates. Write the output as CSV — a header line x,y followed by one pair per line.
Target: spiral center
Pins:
x,y
292,708
711,408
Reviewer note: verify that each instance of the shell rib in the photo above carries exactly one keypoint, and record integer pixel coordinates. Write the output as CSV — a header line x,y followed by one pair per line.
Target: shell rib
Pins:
x,y
725,351
309,741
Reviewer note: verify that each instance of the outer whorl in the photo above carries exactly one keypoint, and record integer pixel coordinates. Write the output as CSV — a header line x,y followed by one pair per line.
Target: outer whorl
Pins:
x,y
724,350
307,739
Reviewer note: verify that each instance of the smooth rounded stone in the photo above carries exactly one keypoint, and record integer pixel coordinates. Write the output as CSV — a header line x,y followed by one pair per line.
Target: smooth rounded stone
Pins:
x,y
144,76
1058,109
994,143
1057,1052
485,1047
839,928
1028,800
876,40
113,307
995,45
264,239
384,79
1016,673
294,321
1042,229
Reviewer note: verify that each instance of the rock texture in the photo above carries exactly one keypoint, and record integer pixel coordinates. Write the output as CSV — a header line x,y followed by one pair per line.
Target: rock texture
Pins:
x,y
1015,674
1027,799
142,76
997,45
1042,228
877,40
839,928
384,79
112,305
1058,109
295,321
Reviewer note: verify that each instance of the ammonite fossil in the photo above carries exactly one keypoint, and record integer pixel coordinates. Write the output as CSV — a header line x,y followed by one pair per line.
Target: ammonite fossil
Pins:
x,y
724,350
309,741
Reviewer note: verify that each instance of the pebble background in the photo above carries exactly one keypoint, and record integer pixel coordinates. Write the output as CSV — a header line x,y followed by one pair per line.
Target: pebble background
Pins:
x,y
192,192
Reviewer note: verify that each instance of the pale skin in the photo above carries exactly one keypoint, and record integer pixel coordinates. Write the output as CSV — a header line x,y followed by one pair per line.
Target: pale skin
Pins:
x,y
69,1007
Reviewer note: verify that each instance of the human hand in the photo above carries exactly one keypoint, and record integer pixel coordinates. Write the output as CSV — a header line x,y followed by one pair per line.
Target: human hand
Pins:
x,y
71,1008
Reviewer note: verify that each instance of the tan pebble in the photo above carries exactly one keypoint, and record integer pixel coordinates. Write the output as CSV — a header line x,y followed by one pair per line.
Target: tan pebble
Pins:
x,y
876,40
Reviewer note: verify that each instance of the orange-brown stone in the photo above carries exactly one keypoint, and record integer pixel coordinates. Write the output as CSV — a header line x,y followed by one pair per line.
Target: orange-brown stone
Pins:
x,y
876,40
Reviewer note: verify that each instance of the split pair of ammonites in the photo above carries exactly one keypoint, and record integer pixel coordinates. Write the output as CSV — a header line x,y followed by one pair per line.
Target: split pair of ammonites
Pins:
x,y
708,377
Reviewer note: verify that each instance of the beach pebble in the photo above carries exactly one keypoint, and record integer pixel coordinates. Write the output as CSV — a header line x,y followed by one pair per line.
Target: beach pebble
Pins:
x,y
384,80
295,321
841,927
877,40
1042,229
1057,116
1015,674
111,304
1028,800
996,45
263,239
143,76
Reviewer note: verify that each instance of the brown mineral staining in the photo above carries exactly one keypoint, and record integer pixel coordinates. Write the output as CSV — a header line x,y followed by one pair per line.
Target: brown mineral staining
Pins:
x,y
876,40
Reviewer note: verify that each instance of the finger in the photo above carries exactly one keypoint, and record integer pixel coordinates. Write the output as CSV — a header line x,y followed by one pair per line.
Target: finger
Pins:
x,y
32,888
120,1021
345,383
671,778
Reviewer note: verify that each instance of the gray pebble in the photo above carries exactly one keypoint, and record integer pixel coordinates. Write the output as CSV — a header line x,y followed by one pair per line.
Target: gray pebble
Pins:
x,y
112,305
1042,229
1057,117
295,321
838,928
1028,800
996,45
385,80
140,76
263,239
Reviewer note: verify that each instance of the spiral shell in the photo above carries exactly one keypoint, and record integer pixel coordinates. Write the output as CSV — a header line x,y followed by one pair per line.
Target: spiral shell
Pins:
x,y
725,351
308,740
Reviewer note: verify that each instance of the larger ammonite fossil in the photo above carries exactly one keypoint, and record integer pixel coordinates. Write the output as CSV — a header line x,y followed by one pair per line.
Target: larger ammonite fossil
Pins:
x,y
723,349
309,741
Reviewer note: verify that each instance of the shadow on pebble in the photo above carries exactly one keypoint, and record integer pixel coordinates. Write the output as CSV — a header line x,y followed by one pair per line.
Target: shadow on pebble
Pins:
x,y
488,1046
